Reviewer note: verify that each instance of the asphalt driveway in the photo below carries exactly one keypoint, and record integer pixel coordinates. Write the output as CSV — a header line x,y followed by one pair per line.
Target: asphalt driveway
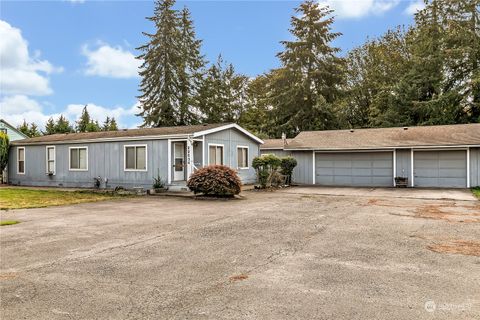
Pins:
x,y
292,254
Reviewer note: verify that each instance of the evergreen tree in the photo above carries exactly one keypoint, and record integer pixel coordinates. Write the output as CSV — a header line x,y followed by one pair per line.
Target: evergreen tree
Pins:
x,y
159,70
50,127
113,125
93,126
306,86
84,121
63,125
191,63
33,131
222,94
23,128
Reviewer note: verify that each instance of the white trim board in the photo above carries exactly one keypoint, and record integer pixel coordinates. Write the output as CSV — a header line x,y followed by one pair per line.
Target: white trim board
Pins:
x,y
125,157
215,145
70,160
54,159
225,127
248,156
24,160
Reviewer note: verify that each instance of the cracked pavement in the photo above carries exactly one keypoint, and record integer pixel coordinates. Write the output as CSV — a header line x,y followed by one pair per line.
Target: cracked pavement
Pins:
x,y
290,254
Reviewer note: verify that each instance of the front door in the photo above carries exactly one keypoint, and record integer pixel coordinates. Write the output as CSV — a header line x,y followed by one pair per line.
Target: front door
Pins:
x,y
179,161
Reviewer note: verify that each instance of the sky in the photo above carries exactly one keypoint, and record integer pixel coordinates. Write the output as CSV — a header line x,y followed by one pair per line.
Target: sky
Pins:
x,y
58,56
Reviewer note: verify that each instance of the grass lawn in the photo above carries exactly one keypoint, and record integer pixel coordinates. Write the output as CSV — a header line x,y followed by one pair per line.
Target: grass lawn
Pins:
x,y
18,198
8,222
476,191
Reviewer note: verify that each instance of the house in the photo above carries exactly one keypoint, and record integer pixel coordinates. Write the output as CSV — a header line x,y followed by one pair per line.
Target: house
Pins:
x,y
131,158
12,132
446,156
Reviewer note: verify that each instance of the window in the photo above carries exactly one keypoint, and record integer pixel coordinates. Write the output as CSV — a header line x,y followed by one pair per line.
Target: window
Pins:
x,y
21,160
50,153
3,130
79,158
136,158
215,154
242,157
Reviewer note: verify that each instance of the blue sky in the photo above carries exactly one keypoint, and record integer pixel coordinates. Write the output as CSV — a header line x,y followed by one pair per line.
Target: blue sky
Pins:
x,y
56,56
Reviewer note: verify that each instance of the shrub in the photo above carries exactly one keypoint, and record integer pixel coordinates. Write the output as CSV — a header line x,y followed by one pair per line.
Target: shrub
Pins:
x,y
4,145
158,182
266,165
287,165
215,180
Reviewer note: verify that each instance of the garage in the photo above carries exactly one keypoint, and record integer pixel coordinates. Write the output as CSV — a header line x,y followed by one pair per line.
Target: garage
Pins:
x,y
446,169
366,169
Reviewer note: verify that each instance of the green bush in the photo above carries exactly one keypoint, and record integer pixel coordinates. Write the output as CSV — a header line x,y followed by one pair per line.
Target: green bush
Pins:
x,y
266,165
287,165
215,180
4,145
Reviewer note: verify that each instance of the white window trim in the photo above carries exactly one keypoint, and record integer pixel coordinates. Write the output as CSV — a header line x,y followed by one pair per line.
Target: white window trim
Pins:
x,y
70,156
54,159
125,157
248,154
24,160
215,145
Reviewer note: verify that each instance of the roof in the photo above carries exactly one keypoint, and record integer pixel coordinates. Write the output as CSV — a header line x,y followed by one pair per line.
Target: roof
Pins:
x,y
426,136
274,144
134,134
20,133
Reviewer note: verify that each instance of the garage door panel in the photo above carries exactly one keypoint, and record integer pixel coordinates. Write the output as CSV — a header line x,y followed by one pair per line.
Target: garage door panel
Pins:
x,y
440,169
354,169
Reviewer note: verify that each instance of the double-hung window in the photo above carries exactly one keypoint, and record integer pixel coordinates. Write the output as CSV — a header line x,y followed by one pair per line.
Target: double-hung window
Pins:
x,y
136,158
21,160
215,154
50,158
78,158
242,157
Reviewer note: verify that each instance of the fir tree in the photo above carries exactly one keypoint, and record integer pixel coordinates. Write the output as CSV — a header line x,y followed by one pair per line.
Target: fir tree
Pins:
x,y
63,125
113,125
50,127
23,128
159,70
306,86
189,73
84,121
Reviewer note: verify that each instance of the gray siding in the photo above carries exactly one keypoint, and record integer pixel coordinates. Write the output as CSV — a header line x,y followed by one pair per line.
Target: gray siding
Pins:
x,y
303,172
105,159
475,167
230,139
277,152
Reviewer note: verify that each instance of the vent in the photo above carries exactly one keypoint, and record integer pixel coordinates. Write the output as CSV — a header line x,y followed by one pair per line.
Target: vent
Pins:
x,y
405,128
351,130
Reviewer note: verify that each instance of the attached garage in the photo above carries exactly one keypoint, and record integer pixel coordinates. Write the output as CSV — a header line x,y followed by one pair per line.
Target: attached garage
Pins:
x,y
366,169
446,169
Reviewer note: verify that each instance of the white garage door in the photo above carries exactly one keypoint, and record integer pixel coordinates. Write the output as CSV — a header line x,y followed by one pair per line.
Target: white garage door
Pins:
x,y
443,169
367,169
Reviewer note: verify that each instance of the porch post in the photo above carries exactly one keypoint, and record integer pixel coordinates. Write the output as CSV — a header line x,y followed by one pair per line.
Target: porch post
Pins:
x,y
189,157
169,162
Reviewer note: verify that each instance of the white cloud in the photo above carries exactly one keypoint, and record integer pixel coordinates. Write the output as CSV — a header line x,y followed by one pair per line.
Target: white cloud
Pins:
x,y
415,6
17,108
99,113
76,1
108,61
359,8
21,73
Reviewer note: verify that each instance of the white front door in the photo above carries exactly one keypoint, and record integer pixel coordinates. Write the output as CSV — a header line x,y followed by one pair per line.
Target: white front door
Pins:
x,y
179,161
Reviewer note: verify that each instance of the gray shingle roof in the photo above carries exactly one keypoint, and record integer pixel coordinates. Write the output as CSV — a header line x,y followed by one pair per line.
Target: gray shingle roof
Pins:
x,y
161,131
273,143
445,135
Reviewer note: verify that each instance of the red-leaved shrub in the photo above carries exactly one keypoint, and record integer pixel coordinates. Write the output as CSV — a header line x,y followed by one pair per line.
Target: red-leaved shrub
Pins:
x,y
215,180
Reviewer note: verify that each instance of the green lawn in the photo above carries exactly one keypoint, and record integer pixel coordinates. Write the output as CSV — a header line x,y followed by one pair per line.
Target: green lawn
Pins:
x,y
476,191
18,198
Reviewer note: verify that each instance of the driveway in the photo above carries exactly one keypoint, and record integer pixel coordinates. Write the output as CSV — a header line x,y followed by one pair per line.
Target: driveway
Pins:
x,y
291,254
